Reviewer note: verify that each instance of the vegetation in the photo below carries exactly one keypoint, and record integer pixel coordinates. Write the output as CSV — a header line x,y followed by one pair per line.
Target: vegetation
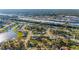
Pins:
x,y
31,36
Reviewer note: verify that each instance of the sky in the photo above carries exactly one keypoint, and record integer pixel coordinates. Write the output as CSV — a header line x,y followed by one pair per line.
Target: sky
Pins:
x,y
39,4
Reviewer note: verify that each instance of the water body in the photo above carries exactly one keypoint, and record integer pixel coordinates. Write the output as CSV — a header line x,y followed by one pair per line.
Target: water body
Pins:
x,y
74,24
9,35
40,11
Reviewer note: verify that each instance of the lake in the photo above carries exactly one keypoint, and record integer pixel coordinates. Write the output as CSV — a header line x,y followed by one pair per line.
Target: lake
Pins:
x,y
9,35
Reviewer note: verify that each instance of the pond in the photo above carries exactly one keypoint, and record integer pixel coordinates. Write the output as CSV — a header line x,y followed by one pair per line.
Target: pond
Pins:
x,y
9,35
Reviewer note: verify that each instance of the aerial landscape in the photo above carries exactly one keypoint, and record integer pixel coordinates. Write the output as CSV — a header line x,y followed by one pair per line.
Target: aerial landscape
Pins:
x,y
39,29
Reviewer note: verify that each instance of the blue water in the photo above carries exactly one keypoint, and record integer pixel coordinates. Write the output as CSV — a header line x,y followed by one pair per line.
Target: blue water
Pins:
x,y
10,35
75,24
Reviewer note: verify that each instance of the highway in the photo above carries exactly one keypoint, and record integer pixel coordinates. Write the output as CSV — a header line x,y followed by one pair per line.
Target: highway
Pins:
x,y
51,23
